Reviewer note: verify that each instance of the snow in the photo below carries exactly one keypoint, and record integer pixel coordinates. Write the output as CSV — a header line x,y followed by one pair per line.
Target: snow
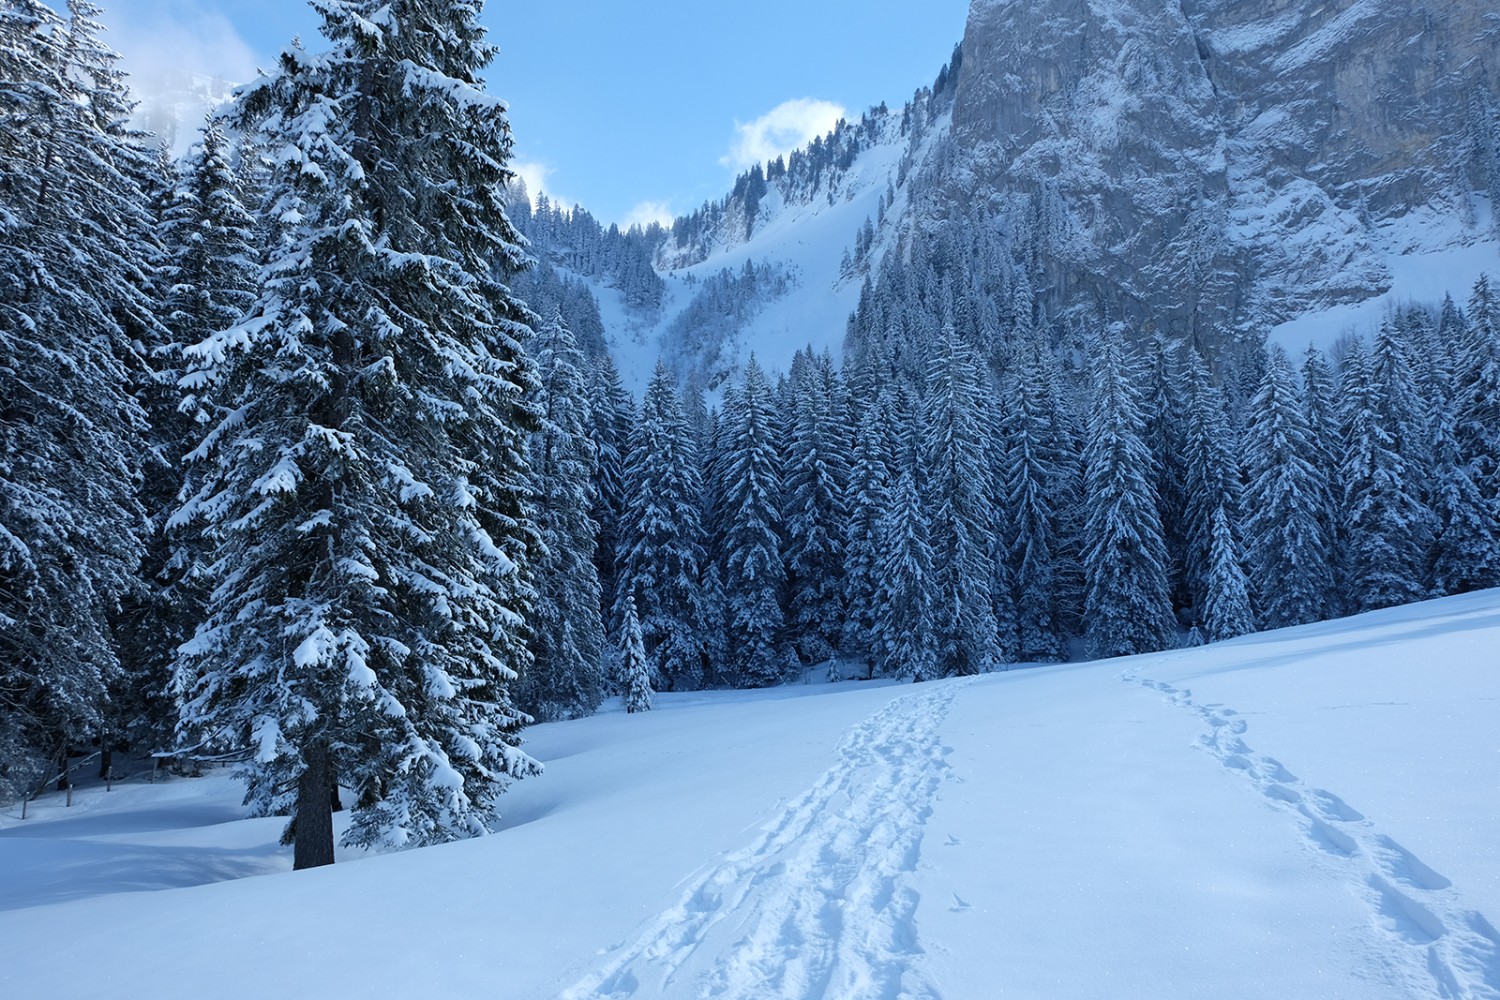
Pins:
x,y
1306,813
806,239
1426,255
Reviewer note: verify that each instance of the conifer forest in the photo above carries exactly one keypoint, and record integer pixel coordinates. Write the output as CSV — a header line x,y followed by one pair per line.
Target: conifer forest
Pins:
x,y
316,462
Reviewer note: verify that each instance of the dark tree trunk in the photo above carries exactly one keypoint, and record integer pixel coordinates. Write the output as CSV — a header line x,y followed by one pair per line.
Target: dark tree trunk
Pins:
x,y
312,840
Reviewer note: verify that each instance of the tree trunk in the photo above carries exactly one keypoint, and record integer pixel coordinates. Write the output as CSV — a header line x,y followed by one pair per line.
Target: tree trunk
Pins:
x,y
312,843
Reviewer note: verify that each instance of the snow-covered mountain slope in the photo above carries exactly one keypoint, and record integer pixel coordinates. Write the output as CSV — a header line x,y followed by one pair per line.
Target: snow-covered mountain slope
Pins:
x,y
802,230
1425,255
1307,813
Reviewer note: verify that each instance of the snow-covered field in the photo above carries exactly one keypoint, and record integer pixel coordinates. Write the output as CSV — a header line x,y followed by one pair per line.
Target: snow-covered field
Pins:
x,y
1313,813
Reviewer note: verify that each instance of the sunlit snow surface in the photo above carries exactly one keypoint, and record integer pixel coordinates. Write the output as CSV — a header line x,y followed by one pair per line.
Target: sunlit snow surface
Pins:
x,y
1308,813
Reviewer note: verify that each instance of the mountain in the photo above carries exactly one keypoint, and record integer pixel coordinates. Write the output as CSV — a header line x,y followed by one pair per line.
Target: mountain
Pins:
x,y
1212,163
1210,168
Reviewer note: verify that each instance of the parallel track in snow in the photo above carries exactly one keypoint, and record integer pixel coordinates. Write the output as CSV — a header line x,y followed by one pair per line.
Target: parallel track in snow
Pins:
x,y
819,905
1432,945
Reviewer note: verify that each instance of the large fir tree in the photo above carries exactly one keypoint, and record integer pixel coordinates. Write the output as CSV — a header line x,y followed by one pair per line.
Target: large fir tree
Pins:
x,y
961,517
1034,490
1287,502
1388,528
566,678
365,487
904,604
74,241
816,510
1128,608
753,572
661,538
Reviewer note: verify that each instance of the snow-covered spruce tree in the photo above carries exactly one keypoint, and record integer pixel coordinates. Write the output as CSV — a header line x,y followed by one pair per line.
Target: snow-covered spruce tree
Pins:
x,y
1321,411
1465,495
1465,550
613,414
661,537
960,516
208,278
1032,488
1286,502
1210,483
1164,407
816,509
635,668
74,245
364,481
1477,387
1388,528
869,502
905,636
1226,603
566,678
753,572
1127,607
714,447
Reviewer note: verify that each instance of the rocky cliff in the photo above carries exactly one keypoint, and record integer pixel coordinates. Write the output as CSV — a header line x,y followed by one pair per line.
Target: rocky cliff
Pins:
x,y
1224,164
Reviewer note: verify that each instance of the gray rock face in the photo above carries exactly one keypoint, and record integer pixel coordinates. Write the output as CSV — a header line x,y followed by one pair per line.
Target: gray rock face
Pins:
x,y
1223,164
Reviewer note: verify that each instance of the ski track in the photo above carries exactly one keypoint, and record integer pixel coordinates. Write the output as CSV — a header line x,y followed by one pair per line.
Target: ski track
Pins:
x,y
820,904
1438,948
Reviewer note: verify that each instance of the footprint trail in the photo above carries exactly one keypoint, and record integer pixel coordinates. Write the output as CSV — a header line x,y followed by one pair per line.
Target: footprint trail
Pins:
x,y
820,905
1438,947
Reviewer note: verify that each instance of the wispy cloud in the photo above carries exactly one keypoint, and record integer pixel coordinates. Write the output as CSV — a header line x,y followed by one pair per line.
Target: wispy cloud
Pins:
x,y
786,127
182,59
537,177
648,212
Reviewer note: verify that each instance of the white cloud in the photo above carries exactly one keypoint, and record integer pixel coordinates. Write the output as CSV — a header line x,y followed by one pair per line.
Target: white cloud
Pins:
x,y
648,212
786,127
182,60
537,177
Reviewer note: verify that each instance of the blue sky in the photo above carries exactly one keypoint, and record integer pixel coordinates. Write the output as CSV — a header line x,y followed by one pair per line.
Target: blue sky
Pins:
x,y
632,109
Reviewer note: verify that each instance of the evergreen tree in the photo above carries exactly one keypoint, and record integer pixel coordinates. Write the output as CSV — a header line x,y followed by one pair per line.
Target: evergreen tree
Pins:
x,y
870,502
365,487
1165,409
1287,503
661,538
1477,388
208,280
904,608
74,247
1324,431
753,571
1210,483
1127,607
613,414
1032,484
816,510
1388,527
636,668
566,679
1465,550
1226,604
961,519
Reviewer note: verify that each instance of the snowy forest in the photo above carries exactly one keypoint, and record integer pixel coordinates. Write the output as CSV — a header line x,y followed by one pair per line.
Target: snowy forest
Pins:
x,y
307,465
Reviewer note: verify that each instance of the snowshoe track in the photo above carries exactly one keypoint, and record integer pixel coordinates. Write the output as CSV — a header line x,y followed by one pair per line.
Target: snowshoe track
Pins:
x,y
1440,948
820,904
